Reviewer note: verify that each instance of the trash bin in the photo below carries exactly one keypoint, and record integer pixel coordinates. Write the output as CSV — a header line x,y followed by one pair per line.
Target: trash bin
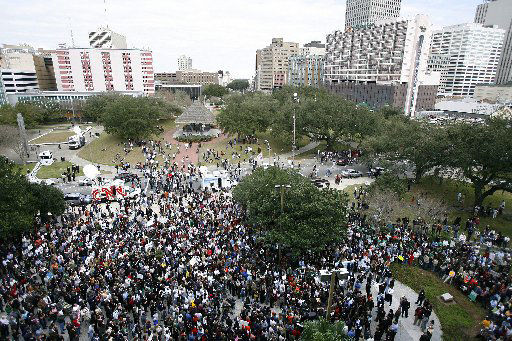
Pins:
x,y
62,159
97,134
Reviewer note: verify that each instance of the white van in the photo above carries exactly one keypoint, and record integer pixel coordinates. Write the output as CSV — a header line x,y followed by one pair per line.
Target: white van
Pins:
x,y
46,158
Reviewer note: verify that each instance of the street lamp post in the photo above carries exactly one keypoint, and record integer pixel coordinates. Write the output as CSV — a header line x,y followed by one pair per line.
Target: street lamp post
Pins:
x,y
295,99
282,189
331,291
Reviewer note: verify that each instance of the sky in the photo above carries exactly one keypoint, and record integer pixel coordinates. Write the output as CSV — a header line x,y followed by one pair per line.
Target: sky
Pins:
x,y
216,34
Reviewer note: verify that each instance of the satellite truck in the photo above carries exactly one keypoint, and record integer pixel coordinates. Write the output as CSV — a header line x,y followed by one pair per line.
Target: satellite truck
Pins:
x,y
76,141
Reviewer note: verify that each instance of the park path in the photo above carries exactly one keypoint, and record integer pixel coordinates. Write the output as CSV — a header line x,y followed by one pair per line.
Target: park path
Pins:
x,y
306,148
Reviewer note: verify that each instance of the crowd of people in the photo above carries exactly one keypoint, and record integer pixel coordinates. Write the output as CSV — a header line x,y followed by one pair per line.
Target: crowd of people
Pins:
x,y
178,263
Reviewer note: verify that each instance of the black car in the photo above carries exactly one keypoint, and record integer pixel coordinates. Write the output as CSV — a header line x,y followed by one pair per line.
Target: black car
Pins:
x,y
321,183
127,177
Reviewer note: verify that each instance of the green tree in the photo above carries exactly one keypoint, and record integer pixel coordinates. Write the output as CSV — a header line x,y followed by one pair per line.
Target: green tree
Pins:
x,y
322,116
132,117
247,114
323,330
16,201
421,145
20,201
95,106
309,218
48,199
482,154
239,85
214,90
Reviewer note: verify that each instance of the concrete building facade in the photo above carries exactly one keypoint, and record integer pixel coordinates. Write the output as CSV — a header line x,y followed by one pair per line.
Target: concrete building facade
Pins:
x,y
314,48
493,93
391,52
361,13
105,38
187,77
499,12
378,95
45,72
100,70
305,70
17,69
466,55
184,63
63,97
272,64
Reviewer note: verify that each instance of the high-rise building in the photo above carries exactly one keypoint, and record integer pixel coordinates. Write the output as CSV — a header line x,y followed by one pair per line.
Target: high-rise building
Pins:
x,y
361,13
272,64
99,70
105,38
499,12
3,98
314,48
184,63
44,70
17,69
305,70
466,55
224,77
390,52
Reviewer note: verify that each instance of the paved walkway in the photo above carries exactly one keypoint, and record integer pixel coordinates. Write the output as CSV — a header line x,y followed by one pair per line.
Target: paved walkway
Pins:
x,y
407,331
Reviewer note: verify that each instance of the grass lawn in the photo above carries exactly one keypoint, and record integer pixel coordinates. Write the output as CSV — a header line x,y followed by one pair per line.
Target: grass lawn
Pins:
x,y
54,137
103,150
55,170
25,169
447,192
459,321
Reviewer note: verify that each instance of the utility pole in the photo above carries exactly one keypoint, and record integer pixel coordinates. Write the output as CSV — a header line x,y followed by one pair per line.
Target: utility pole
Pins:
x,y
295,99
282,189
331,290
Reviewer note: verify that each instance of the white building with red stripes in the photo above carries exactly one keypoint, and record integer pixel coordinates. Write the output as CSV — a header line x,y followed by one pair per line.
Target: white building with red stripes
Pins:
x,y
104,70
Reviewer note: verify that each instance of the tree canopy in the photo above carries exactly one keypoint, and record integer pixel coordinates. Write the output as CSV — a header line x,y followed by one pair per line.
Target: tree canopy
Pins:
x,y
214,90
21,201
318,115
481,153
239,85
401,139
132,117
247,114
34,113
309,219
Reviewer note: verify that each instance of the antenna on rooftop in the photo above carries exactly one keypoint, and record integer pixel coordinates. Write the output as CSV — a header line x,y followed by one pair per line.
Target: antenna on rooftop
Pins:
x,y
105,11
71,30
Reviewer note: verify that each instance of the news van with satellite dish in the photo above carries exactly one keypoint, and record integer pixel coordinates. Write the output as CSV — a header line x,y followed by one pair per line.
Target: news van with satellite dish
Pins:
x,y
76,141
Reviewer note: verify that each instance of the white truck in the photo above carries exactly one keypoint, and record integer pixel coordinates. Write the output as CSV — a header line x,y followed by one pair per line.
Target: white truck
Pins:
x,y
76,141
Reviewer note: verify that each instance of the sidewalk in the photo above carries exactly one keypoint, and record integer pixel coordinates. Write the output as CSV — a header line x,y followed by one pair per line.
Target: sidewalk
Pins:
x,y
407,331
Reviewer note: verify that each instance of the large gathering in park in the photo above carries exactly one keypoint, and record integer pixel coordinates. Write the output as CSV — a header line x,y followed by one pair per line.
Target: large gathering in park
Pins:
x,y
296,215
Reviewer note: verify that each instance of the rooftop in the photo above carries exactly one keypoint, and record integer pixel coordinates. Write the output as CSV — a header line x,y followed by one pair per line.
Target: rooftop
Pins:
x,y
196,114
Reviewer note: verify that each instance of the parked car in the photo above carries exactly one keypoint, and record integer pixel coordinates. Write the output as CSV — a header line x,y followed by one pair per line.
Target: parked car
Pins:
x,y
85,182
126,177
77,199
375,172
351,173
343,162
321,183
